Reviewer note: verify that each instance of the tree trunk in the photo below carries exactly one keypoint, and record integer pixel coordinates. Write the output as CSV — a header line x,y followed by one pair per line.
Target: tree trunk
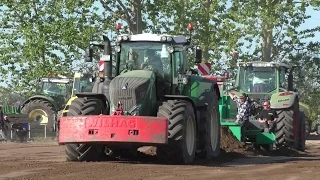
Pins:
x,y
206,41
267,42
136,23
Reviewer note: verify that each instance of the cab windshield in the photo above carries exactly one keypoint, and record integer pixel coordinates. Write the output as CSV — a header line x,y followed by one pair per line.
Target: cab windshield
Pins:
x,y
55,88
145,55
257,79
85,84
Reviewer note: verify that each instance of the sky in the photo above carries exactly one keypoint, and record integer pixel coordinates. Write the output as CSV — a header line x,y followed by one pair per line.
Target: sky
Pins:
x,y
310,23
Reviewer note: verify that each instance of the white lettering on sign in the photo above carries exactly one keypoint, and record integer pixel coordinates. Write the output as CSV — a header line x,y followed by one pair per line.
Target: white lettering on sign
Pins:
x,y
105,58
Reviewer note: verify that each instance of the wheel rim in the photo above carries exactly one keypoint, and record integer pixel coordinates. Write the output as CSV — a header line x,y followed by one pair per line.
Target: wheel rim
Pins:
x,y
190,140
39,115
213,130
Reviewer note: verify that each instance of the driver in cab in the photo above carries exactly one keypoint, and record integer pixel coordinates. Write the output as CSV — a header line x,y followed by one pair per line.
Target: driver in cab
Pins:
x,y
259,84
154,62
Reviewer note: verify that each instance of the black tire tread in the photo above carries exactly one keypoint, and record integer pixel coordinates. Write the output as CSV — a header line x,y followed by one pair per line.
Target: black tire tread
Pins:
x,y
44,105
84,106
174,111
284,128
205,141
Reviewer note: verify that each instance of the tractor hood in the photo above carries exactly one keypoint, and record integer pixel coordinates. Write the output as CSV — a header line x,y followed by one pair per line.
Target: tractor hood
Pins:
x,y
135,90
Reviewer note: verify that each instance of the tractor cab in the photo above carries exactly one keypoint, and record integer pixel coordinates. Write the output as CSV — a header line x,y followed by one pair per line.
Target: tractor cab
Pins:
x,y
58,88
261,77
82,83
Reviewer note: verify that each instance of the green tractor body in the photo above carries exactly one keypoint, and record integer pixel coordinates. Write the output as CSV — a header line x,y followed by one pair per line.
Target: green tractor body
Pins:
x,y
272,86
153,99
51,97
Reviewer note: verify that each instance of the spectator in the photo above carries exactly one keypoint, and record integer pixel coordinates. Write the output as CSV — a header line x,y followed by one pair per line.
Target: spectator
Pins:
x,y
20,131
267,116
243,107
3,124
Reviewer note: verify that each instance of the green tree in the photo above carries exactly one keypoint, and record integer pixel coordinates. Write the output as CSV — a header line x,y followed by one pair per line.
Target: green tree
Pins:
x,y
38,37
214,31
270,27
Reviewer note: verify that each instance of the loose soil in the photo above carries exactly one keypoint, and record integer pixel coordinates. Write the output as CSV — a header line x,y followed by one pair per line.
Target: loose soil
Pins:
x,y
46,160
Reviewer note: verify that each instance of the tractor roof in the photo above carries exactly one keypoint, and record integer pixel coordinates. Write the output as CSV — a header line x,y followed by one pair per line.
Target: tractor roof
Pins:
x,y
57,80
263,64
179,39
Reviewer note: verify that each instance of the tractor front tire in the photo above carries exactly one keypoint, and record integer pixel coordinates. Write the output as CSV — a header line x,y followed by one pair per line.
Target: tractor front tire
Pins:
x,y
287,135
182,132
302,132
85,152
210,135
44,107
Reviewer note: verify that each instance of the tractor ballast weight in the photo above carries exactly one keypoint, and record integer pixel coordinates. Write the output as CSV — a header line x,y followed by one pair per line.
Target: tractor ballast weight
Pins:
x,y
290,122
133,110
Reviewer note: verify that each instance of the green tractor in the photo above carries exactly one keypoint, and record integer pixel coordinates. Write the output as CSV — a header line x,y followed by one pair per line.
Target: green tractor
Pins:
x,y
81,83
164,106
290,125
53,95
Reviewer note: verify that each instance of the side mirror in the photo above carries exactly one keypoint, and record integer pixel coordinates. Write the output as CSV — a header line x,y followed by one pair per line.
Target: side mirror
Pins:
x,y
88,55
198,55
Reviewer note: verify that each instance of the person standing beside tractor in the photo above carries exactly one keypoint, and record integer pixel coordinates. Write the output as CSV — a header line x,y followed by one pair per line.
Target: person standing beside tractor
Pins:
x,y
267,116
243,107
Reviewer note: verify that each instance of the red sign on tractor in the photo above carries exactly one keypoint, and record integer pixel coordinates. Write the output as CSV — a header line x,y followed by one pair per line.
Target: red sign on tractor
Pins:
x,y
204,68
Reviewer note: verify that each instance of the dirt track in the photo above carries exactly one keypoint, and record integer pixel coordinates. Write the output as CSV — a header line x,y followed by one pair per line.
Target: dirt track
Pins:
x,y
47,161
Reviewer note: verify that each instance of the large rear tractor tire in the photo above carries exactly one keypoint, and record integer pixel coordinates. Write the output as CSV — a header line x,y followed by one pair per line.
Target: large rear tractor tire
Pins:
x,y
85,152
308,126
302,132
41,111
182,129
287,132
210,132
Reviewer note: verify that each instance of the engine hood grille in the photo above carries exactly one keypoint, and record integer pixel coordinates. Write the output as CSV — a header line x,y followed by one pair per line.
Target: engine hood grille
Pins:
x,y
128,90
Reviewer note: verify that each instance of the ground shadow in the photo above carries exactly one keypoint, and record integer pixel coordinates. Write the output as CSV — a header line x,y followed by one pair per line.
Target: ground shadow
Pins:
x,y
313,137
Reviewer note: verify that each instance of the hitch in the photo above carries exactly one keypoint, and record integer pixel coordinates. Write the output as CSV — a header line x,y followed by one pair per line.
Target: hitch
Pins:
x,y
119,111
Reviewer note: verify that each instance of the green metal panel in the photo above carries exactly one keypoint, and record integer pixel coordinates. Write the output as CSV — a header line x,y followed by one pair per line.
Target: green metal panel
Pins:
x,y
234,128
198,89
10,110
236,131
265,138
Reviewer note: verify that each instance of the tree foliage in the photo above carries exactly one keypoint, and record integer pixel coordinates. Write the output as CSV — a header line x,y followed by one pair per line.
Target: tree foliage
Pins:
x,y
38,37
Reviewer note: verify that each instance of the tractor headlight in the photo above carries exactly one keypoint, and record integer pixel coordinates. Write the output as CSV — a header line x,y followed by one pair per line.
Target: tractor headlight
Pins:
x,y
135,110
117,48
125,38
166,38
113,109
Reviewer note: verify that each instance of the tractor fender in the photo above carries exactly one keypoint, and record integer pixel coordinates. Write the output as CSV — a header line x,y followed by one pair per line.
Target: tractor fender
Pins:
x,y
98,95
215,87
46,98
283,100
66,107
305,108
